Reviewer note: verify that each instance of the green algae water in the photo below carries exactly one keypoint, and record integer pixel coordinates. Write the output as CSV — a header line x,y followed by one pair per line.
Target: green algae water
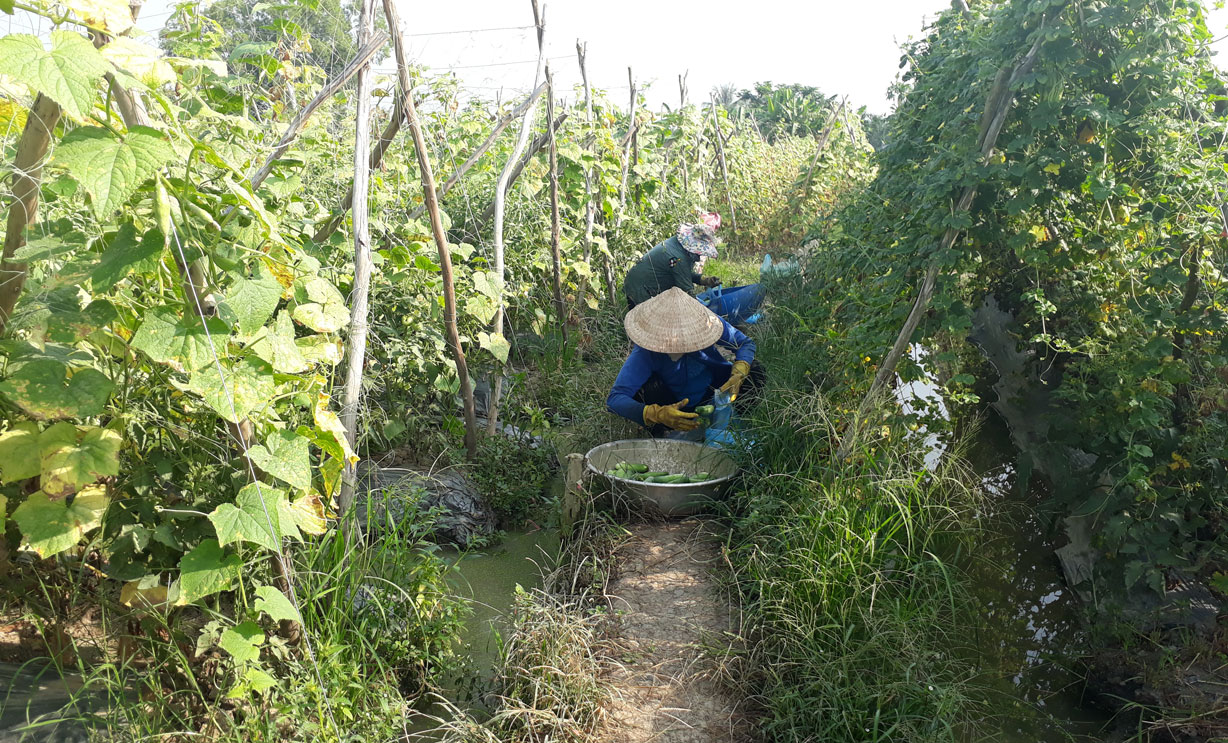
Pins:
x,y
1029,636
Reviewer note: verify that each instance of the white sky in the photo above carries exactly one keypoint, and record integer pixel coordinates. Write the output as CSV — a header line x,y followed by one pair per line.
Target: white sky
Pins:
x,y
838,46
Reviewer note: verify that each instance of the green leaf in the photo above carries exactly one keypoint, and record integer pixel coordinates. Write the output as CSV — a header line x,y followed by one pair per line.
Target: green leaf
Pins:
x,y
75,456
279,347
6,6
274,603
260,515
19,452
51,527
248,385
126,255
71,326
251,302
285,456
206,570
50,246
255,681
496,344
320,306
68,74
181,342
110,168
243,642
44,389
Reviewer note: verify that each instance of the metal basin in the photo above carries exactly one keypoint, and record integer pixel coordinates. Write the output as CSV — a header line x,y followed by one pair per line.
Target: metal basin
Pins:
x,y
676,457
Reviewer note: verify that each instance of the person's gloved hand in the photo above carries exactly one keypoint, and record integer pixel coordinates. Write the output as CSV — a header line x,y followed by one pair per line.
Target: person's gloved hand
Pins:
x,y
709,281
736,378
671,416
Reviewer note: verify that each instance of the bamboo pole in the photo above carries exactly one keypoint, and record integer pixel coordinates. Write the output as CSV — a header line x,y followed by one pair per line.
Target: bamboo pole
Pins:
x,y
481,150
555,252
496,387
818,152
23,211
360,63
430,200
998,104
362,264
720,154
622,186
530,152
590,177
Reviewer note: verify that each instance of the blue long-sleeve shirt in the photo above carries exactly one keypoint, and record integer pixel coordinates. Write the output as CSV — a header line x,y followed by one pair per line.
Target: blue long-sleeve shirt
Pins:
x,y
691,377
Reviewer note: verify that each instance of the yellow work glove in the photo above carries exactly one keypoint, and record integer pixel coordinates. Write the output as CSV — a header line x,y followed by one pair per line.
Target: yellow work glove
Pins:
x,y
736,378
671,416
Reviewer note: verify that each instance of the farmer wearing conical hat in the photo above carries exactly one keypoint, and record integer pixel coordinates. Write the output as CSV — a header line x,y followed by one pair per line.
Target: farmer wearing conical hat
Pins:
x,y
675,363
672,263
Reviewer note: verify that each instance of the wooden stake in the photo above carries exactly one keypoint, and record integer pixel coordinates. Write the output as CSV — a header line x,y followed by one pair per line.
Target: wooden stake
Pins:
x,y
720,155
23,211
590,176
360,62
431,201
818,152
496,388
555,251
530,152
622,184
362,263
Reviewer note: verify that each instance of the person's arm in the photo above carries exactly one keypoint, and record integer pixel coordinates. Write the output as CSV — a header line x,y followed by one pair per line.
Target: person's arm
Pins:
x,y
742,346
684,277
631,378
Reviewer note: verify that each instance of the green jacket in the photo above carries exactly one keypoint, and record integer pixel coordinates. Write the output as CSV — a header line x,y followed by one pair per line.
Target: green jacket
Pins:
x,y
668,264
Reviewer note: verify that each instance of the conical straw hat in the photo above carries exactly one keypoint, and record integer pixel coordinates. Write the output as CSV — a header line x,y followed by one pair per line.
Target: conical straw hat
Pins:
x,y
673,322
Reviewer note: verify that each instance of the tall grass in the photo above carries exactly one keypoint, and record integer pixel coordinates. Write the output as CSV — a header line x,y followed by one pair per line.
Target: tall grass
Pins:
x,y
854,610
855,614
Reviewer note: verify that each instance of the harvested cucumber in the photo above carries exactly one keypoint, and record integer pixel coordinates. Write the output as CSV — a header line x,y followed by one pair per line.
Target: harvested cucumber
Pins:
x,y
637,467
705,409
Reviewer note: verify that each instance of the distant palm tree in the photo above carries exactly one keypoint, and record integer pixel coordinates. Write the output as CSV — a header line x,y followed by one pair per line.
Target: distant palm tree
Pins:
x,y
726,96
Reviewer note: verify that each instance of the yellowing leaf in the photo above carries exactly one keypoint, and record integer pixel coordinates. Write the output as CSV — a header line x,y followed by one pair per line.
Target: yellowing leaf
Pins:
x,y
309,513
109,15
51,527
1087,133
142,61
137,597
328,422
75,456
19,452
1053,168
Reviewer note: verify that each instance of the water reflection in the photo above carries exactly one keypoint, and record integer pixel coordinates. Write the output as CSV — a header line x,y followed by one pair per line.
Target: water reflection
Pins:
x,y
1031,636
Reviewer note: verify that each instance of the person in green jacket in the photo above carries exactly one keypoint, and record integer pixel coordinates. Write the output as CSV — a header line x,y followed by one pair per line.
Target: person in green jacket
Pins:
x,y
672,263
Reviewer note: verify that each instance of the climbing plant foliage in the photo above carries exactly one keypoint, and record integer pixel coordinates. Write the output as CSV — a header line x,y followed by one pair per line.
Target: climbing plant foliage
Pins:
x,y
1098,225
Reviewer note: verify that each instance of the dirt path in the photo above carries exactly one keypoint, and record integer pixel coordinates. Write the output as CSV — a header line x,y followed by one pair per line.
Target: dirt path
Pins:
x,y
667,606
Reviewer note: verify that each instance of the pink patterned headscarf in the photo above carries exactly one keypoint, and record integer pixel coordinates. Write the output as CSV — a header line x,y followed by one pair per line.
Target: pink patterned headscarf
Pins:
x,y
699,239
712,219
